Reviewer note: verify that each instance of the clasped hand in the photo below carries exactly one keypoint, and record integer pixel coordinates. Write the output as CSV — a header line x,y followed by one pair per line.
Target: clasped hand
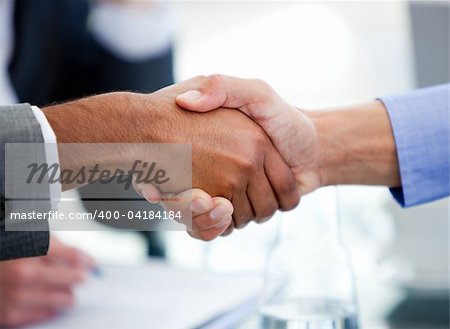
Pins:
x,y
255,156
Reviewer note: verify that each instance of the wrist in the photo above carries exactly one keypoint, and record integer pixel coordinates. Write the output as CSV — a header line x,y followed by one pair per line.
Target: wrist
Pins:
x,y
95,119
356,146
98,125
328,152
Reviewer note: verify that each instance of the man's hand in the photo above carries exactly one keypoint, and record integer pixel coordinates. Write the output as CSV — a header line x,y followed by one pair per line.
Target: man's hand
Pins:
x,y
36,289
291,131
232,156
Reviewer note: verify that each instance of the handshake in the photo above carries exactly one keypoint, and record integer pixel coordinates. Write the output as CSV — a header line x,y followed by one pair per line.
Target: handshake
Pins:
x,y
252,153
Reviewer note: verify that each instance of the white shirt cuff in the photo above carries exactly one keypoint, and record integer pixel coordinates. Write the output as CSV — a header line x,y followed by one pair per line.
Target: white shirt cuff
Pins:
x,y
51,153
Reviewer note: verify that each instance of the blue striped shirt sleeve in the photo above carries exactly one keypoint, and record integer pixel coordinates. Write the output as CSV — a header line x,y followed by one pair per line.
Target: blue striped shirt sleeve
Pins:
x,y
420,123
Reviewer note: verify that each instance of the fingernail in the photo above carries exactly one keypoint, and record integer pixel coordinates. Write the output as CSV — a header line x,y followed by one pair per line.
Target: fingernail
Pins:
x,y
199,205
218,212
191,95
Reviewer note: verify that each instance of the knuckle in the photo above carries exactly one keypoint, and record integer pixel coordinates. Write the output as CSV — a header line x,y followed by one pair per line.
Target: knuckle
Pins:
x,y
259,144
214,81
260,139
263,86
249,165
231,185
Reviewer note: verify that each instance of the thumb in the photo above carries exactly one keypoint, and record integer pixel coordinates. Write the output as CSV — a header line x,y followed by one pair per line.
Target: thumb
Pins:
x,y
210,93
253,97
198,101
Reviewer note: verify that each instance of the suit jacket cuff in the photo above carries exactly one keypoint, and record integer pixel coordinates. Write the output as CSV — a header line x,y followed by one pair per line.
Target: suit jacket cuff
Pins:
x,y
18,124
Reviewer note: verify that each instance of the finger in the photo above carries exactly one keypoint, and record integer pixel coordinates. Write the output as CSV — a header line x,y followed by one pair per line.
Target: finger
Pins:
x,y
223,208
243,210
53,299
39,271
202,202
212,232
282,180
64,255
41,297
217,217
148,191
224,91
184,201
19,317
262,196
60,276
210,216
189,203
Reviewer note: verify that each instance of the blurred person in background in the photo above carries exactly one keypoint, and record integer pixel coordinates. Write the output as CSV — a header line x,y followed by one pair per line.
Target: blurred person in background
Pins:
x,y
73,48
53,51
36,289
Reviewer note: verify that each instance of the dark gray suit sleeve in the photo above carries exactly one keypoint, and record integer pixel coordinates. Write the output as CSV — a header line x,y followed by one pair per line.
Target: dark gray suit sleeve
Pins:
x,y
19,125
